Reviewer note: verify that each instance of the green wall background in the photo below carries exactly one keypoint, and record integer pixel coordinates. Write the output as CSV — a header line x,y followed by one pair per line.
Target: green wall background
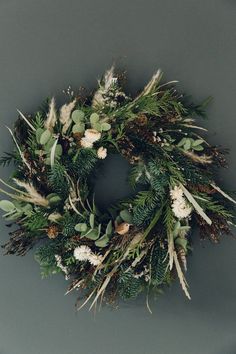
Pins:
x,y
47,45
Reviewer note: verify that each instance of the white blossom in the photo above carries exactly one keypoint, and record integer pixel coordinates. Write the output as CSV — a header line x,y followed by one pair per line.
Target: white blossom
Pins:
x,y
180,207
176,193
95,259
82,253
102,153
85,143
92,135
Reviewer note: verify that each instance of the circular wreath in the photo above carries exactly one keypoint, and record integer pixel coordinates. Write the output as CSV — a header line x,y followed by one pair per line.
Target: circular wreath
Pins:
x,y
140,243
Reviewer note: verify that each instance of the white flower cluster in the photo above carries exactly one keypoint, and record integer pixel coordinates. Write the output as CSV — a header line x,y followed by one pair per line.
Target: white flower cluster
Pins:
x,y
180,207
61,266
84,253
102,153
90,136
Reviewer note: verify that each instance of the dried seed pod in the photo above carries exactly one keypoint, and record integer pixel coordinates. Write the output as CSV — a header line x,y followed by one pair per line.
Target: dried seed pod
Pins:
x,y
52,231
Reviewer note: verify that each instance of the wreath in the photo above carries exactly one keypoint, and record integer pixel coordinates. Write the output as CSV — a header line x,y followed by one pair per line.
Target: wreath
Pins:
x,y
140,243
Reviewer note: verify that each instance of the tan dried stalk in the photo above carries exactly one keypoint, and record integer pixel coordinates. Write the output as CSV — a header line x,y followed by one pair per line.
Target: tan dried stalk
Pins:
x,y
181,277
65,115
203,159
33,196
52,116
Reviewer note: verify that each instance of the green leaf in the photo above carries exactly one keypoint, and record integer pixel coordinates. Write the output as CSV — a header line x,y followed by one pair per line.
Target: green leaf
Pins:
x,y
91,220
126,216
97,126
182,142
94,118
6,205
77,116
81,227
92,234
105,127
49,145
45,136
78,128
197,142
187,144
38,134
109,228
103,241
53,198
58,150
198,148
182,242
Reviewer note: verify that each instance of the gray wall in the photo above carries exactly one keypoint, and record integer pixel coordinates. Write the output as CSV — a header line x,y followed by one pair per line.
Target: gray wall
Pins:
x,y
45,45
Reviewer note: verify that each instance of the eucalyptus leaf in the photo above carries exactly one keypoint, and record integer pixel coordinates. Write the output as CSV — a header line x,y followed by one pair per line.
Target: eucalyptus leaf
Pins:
x,y
55,199
49,145
198,148
92,234
94,118
58,150
77,116
187,145
81,227
78,128
6,205
45,136
105,126
91,220
126,216
182,142
109,228
197,142
97,126
103,241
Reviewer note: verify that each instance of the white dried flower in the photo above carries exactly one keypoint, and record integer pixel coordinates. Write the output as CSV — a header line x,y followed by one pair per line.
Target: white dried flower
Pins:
x,y
102,153
85,143
82,253
92,135
176,192
95,259
180,207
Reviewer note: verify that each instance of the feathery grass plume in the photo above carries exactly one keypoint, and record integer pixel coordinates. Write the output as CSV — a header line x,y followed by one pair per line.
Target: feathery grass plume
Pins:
x,y
104,86
203,159
65,115
152,84
52,116
33,196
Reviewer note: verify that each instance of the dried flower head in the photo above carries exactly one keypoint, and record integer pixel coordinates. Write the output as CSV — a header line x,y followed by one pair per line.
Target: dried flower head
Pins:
x,y
102,153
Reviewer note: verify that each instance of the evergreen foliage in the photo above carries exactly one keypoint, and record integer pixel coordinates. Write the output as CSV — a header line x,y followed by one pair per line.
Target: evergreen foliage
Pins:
x,y
36,222
159,265
141,243
58,181
129,287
